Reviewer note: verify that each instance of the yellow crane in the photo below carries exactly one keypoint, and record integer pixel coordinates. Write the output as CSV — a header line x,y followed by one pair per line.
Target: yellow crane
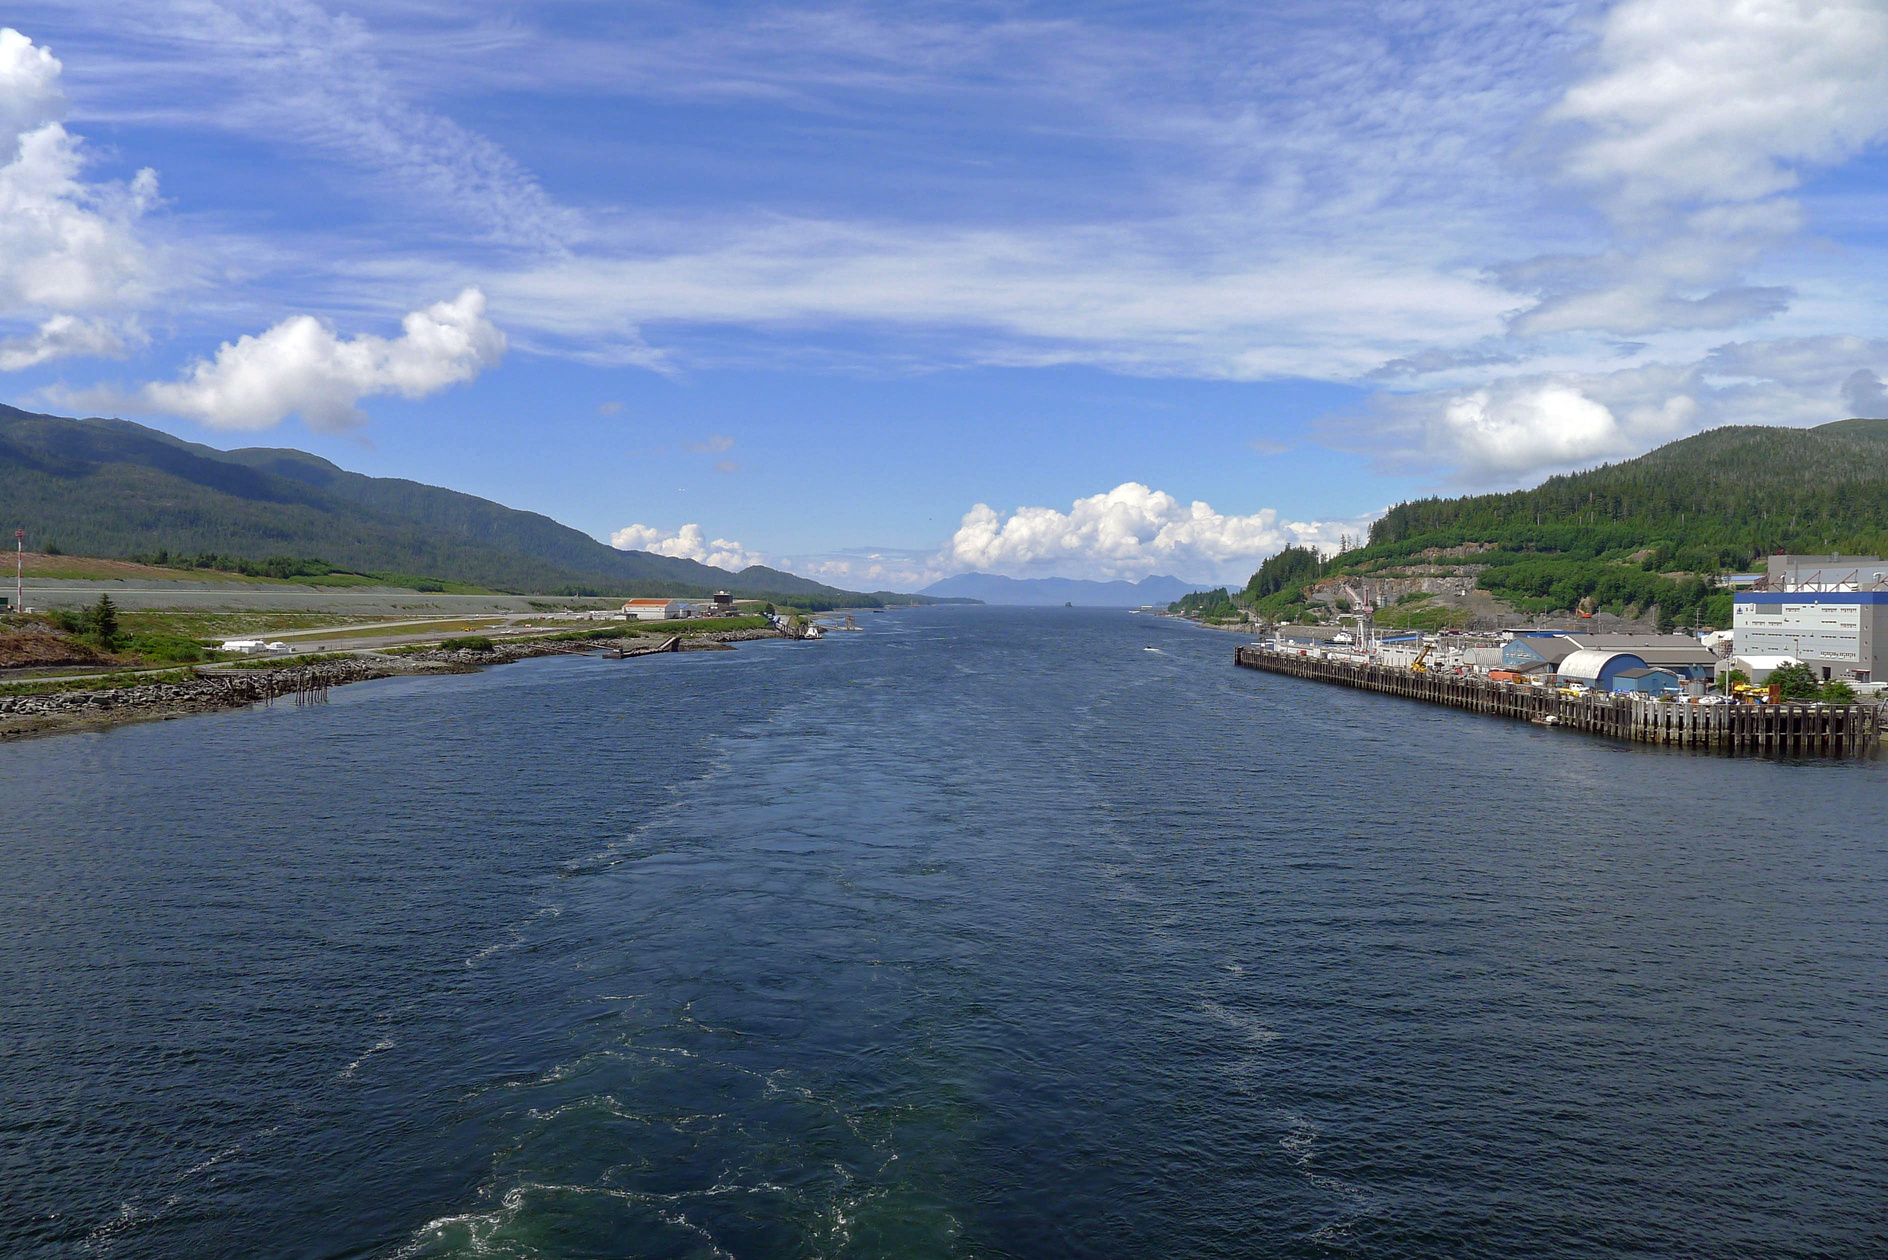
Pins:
x,y
1417,664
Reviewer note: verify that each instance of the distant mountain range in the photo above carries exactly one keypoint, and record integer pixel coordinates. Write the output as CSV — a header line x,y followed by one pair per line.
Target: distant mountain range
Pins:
x,y
993,588
114,488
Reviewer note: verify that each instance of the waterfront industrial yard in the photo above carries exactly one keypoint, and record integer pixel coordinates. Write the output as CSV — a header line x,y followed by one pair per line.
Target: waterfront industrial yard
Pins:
x,y
1794,728
1800,671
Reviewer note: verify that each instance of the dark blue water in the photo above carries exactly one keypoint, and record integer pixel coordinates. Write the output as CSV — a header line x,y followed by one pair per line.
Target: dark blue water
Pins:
x,y
982,932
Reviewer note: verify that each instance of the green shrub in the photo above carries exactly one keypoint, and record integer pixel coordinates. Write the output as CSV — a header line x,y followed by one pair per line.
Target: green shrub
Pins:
x,y
470,643
99,623
166,647
1799,682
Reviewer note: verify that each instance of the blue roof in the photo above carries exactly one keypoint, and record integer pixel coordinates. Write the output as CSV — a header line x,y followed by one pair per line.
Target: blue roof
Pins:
x,y
1811,597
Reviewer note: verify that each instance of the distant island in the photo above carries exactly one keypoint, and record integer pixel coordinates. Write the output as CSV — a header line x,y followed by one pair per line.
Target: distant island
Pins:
x,y
991,588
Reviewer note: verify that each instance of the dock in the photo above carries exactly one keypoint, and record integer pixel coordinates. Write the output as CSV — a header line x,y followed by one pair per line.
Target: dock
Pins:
x,y
1789,729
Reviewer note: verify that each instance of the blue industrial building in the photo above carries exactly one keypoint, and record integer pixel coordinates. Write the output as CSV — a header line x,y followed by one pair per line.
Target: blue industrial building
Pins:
x,y
1648,681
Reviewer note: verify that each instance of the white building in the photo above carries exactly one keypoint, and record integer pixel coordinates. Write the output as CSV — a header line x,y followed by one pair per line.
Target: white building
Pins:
x,y
1757,668
249,647
1822,610
652,609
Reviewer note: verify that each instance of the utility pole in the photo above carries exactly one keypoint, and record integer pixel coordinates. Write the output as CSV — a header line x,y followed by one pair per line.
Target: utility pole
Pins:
x,y
19,570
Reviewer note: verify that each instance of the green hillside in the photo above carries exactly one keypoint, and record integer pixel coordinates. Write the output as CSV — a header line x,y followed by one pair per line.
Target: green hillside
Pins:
x,y
1714,501
114,488
1651,530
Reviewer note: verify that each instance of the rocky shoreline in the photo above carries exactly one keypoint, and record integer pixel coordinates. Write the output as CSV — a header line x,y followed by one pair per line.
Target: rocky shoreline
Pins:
x,y
212,690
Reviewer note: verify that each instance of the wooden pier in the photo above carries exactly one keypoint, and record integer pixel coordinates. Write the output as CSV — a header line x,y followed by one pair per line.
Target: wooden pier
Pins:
x,y
1803,730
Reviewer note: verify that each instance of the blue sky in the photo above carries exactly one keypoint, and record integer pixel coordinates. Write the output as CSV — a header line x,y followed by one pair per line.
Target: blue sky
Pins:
x,y
881,292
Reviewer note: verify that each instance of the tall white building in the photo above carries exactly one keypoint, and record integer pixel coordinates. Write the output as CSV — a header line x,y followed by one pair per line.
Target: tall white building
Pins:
x,y
1823,610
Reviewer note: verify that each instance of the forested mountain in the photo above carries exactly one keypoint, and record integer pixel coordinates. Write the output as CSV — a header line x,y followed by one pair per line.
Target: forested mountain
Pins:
x,y
1655,530
114,488
1714,501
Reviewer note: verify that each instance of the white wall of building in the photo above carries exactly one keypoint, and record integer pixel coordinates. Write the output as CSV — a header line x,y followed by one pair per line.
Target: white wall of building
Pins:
x,y
1830,632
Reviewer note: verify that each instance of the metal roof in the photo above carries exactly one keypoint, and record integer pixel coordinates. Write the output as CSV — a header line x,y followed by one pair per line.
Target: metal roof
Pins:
x,y
1589,665
1550,648
1653,649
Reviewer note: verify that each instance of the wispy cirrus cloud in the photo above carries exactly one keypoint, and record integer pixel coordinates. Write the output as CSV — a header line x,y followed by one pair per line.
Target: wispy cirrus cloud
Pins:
x,y
64,335
1689,128
1293,194
302,77
1698,103
1490,210
1691,121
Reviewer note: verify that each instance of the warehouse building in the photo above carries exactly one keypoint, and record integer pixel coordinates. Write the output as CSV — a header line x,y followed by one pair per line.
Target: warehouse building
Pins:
x,y
1825,611
1679,653
653,609
1599,669
1648,681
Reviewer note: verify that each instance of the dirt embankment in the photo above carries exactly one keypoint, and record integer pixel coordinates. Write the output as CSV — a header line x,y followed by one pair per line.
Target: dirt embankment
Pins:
x,y
34,644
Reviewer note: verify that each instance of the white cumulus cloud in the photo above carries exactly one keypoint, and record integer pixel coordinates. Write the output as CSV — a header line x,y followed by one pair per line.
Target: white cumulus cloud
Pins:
x,y
686,543
66,245
302,365
1518,427
30,96
1129,532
